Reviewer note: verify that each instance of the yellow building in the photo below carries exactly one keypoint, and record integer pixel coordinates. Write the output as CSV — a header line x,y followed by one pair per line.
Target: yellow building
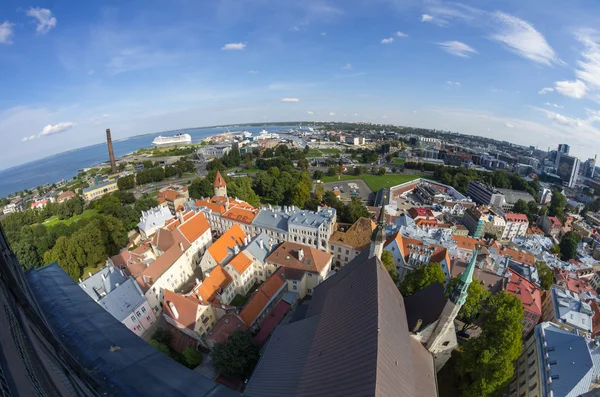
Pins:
x,y
99,190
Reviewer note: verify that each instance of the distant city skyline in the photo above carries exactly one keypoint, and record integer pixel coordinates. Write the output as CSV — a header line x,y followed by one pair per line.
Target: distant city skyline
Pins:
x,y
511,71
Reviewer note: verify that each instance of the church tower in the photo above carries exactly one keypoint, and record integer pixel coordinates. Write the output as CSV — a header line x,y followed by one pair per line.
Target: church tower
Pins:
x,y
220,186
442,341
378,236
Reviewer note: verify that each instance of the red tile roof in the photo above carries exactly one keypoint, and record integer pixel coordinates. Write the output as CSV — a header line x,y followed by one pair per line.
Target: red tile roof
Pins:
x,y
65,195
595,318
182,309
240,263
227,325
287,255
416,212
527,292
261,297
465,242
555,221
219,181
439,253
225,244
240,214
514,217
518,256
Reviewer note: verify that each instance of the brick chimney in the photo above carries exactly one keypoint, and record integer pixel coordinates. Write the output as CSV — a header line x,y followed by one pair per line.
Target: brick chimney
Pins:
x,y
111,154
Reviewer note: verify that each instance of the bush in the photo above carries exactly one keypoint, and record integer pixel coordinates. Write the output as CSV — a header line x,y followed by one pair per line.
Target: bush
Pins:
x,y
193,357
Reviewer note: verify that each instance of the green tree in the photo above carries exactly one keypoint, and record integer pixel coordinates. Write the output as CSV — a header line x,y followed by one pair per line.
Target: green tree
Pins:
x,y
354,210
237,357
193,357
126,182
532,210
521,207
332,171
145,203
381,171
317,175
421,277
568,245
201,187
388,261
303,164
300,194
546,275
161,347
242,189
476,298
306,150
486,362
489,235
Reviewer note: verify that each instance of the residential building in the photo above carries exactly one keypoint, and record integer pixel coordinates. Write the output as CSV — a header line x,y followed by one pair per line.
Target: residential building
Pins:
x,y
516,225
16,205
216,287
430,194
423,217
99,190
409,253
227,325
565,309
312,228
153,219
555,363
173,197
274,222
305,267
64,196
169,259
551,225
41,203
504,199
595,305
530,296
121,296
224,249
264,299
223,212
474,221
347,242
358,310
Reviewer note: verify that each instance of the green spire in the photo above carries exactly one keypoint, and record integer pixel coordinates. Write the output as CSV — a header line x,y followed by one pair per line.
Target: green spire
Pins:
x,y
459,295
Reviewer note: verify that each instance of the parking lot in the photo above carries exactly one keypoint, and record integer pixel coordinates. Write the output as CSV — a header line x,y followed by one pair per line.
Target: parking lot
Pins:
x,y
362,189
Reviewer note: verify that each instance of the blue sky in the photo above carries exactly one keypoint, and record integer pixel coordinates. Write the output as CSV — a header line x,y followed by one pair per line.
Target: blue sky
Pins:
x,y
522,71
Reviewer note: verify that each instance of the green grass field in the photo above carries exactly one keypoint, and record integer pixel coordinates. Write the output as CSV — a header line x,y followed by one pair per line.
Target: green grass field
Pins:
x,y
376,182
398,161
54,220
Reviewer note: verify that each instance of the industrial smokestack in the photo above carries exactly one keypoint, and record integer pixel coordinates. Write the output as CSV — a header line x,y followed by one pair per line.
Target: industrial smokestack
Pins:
x,y
111,154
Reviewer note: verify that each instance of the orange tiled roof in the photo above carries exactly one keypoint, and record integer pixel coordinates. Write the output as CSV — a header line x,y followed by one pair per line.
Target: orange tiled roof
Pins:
x,y
439,253
217,280
66,195
194,227
242,215
219,181
169,195
357,236
240,263
287,255
518,256
261,298
526,291
468,243
221,248
186,307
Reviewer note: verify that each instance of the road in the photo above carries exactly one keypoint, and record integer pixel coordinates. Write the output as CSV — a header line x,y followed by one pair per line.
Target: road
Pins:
x,y
139,192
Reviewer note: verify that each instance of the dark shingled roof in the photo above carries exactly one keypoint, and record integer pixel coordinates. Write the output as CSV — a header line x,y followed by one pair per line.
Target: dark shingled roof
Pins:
x,y
353,342
132,367
426,305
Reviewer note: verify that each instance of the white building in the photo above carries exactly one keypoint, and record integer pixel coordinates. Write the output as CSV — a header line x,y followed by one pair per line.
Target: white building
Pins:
x,y
121,296
153,219
516,226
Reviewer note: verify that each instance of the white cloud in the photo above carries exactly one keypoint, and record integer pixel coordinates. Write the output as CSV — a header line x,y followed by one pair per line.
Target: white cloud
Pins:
x,y
296,29
522,38
310,112
331,113
415,112
56,128
6,32
45,20
453,83
509,125
401,34
355,114
589,67
347,66
29,138
553,105
233,46
457,48
574,89
323,33
388,40
252,71
290,100
545,90
435,21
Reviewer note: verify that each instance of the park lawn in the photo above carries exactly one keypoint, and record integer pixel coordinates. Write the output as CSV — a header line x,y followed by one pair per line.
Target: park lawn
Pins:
x,y
321,152
376,182
398,161
54,220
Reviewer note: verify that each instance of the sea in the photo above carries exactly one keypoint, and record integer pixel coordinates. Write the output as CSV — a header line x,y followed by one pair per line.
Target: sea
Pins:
x,y
66,165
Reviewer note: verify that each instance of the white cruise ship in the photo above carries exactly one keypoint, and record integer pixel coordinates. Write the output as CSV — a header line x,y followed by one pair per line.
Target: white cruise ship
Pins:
x,y
179,139
264,134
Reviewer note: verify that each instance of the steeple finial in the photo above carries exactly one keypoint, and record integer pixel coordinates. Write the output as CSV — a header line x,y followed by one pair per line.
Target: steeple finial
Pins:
x,y
459,295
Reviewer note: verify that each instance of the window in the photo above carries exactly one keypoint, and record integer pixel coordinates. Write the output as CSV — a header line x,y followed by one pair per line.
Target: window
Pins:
x,y
446,343
138,314
143,310
133,318
347,252
310,275
309,291
294,287
149,318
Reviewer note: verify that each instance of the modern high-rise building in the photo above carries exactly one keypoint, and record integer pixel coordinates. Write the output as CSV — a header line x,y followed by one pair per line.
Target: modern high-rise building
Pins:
x,y
567,168
564,148
589,167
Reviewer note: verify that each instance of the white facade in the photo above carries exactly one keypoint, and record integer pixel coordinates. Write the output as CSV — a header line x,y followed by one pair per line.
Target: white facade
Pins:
x,y
514,229
153,219
171,279
140,319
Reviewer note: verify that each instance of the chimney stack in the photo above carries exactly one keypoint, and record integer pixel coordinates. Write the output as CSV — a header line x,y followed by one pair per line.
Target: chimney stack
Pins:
x,y
300,254
111,154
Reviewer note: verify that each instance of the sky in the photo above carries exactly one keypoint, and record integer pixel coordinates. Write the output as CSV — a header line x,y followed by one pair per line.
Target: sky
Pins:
x,y
520,71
